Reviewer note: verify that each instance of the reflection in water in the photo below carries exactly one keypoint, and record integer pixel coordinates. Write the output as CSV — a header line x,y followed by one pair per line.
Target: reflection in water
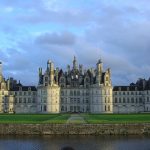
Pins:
x,y
76,142
67,148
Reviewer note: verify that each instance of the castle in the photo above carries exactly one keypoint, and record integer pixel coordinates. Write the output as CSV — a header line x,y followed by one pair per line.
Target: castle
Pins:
x,y
74,90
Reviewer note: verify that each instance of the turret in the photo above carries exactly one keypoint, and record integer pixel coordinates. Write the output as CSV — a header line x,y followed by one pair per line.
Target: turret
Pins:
x,y
81,69
40,75
40,72
99,67
75,64
68,69
8,84
1,76
48,65
0,68
56,73
99,71
51,73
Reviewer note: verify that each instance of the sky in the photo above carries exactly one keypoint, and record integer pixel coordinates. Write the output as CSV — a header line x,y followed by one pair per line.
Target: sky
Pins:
x,y
117,31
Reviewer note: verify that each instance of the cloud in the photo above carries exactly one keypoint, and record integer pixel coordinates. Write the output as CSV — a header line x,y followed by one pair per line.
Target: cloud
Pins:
x,y
118,32
64,38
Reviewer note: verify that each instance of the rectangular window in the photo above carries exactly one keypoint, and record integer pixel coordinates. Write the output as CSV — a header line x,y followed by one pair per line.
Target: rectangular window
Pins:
x,y
20,100
24,100
29,100
124,100
119,100
147,99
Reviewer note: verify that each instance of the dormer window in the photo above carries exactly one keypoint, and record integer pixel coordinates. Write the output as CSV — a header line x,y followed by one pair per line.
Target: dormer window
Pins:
x,y
46,79
87,79
62,80
29,88
76,76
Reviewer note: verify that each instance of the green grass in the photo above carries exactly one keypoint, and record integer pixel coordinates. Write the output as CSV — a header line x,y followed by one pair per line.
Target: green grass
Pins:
x,y
59,119
116,118
34,118
62,118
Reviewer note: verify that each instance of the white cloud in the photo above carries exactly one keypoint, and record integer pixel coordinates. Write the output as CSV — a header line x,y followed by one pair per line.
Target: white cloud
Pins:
x,y
8,9
119,32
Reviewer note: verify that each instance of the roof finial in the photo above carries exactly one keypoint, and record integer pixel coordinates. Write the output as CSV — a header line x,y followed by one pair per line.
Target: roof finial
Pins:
x,y
99,61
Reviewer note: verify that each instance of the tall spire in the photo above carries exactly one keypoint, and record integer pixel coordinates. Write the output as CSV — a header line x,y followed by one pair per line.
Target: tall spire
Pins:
x,y
99,66
0,68
51,73
99,61
75,63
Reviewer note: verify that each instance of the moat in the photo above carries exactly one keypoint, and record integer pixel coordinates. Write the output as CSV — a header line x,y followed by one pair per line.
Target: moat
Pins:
x,y
76,142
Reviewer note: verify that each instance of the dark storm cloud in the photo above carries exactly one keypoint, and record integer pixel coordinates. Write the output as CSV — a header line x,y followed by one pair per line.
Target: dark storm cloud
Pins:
x,y
118,32
49,16
64,38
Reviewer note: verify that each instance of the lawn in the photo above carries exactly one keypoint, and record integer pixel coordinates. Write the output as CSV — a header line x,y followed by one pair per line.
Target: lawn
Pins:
x,y
62,118
116,118
34,118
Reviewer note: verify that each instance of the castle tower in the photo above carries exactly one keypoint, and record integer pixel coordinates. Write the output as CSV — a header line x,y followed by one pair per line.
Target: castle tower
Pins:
x,y
99,71
56,74
81,69
99,66
68,69
1,74
50,70
0,68
48,90
40,75
75,64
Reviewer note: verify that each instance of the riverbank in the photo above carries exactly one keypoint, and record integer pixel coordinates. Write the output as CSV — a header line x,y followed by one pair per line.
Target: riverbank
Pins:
x,y
74,118
75,129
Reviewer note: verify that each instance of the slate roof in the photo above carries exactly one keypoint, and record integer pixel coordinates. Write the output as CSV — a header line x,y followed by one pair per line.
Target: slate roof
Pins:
x,y
126,88
24,88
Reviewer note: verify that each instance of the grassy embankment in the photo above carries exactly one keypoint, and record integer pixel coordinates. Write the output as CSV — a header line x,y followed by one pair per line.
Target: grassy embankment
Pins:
x,y
34,118
116,118
62,118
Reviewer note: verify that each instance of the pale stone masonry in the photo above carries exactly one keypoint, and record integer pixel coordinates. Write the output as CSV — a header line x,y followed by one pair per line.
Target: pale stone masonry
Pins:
x,y
132,99
74,90
75,129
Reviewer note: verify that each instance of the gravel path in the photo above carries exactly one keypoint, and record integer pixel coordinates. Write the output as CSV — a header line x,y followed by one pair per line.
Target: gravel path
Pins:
x,y
76,118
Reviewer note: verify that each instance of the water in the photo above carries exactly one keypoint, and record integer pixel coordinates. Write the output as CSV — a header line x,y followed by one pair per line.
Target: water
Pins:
x,y
77,142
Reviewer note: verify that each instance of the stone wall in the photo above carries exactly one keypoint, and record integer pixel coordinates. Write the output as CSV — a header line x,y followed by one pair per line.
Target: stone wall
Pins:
x,y
91,129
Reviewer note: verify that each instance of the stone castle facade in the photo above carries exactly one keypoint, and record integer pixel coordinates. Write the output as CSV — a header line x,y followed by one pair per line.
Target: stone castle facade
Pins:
x,y
74,90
